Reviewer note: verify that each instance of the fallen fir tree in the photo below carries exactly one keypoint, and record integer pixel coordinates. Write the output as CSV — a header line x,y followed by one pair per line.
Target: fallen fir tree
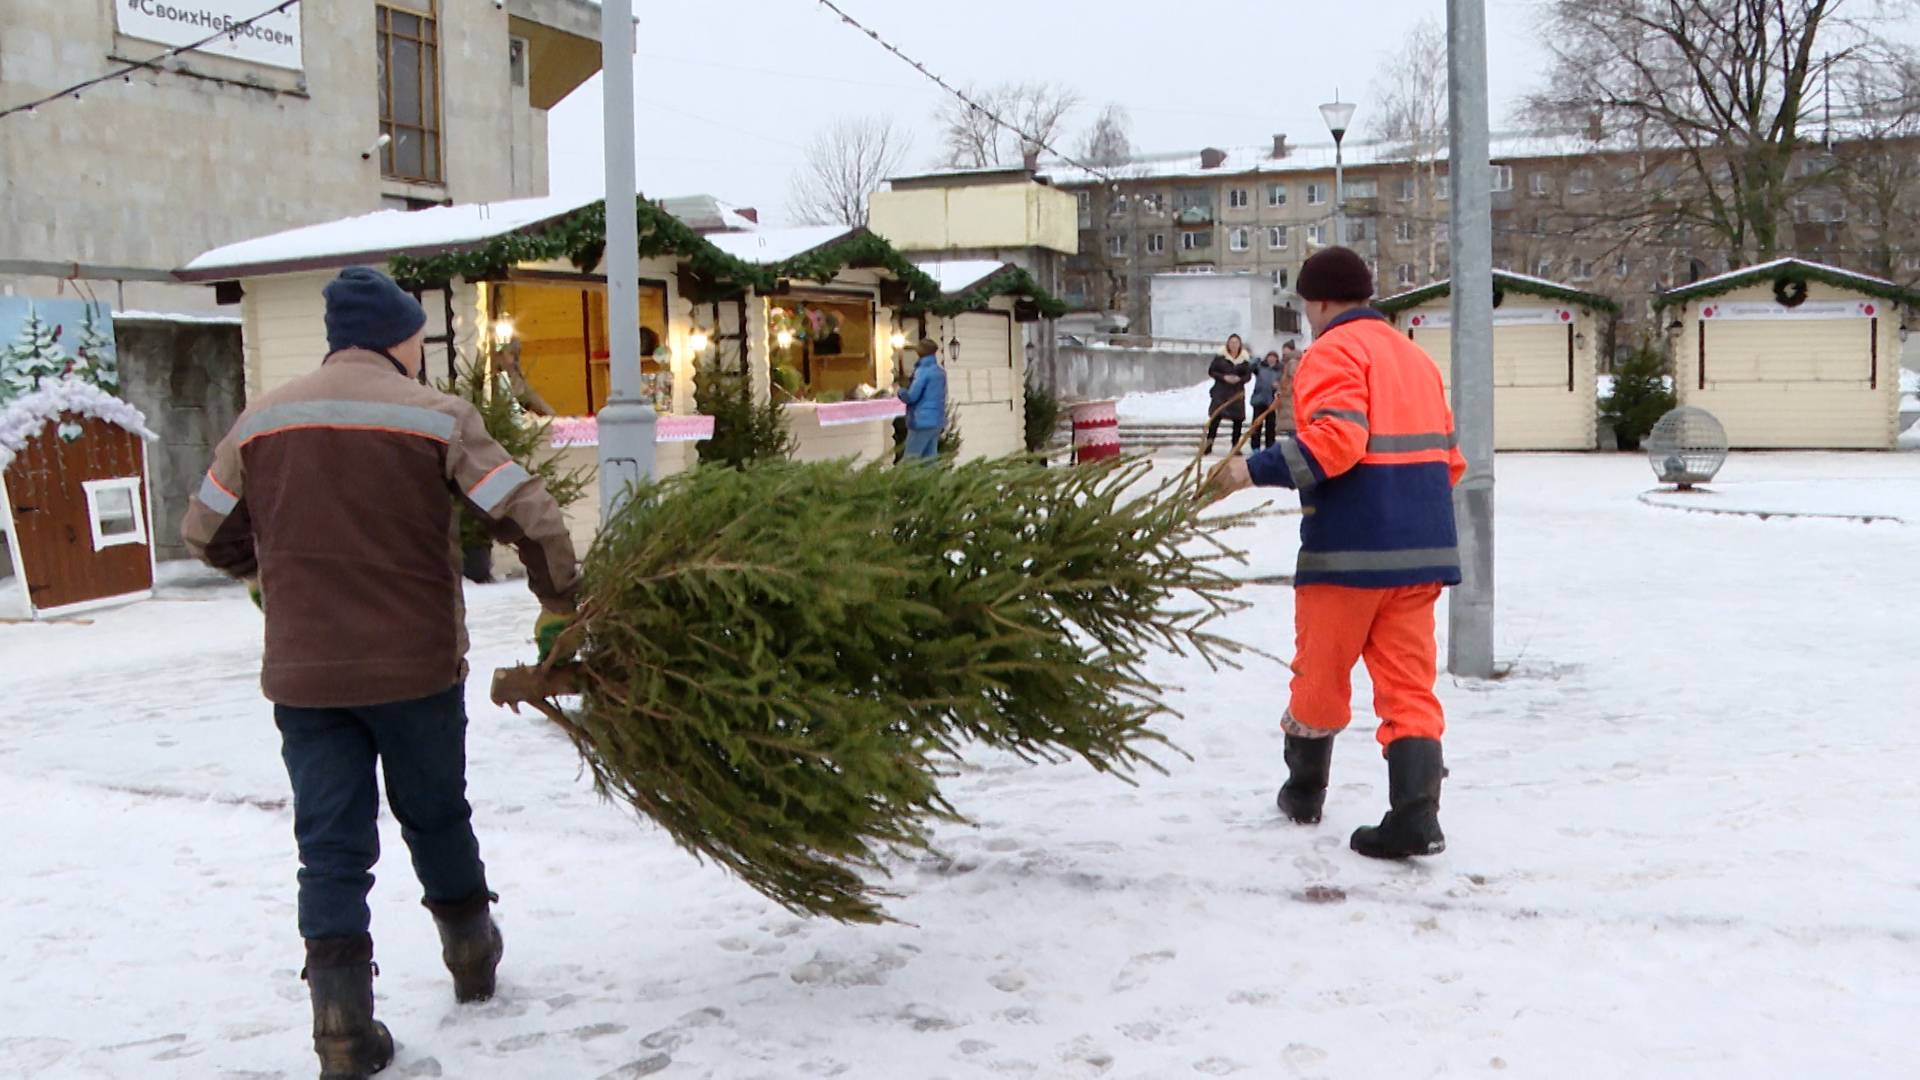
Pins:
x,y
776,664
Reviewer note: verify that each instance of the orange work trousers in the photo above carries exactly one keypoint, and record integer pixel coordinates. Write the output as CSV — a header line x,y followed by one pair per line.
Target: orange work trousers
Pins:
x,y
1392,630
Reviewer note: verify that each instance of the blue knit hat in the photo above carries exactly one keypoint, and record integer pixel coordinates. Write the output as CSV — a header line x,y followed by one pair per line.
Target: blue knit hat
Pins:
x,y
366,310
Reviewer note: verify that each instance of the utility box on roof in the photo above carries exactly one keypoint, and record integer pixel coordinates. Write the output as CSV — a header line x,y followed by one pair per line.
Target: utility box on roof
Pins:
x,y
1791,355
1546,342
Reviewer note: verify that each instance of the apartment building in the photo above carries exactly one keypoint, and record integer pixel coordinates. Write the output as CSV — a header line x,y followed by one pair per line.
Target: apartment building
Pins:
x,y
1264,209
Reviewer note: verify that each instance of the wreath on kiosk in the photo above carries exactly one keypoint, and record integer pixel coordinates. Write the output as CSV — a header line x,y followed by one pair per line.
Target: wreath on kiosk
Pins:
x,y
1789,292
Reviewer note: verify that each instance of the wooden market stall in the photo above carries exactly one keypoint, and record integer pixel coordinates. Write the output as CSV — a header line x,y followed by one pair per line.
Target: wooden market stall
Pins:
x,y
983,349
1546,345
75,498
1791,354
814,318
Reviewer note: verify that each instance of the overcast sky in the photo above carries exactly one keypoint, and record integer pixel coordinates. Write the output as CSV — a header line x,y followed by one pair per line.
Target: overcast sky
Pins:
x,y
730,90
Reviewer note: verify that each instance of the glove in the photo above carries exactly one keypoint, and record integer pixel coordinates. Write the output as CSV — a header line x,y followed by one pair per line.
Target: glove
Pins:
x,y
253,594
546,634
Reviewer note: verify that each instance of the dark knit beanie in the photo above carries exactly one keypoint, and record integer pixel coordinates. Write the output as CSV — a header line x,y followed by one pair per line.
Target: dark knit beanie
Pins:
x,y
1335,274
366,310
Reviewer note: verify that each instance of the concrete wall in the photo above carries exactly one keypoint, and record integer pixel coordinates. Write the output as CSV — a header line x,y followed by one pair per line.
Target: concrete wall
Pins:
x,y
1793,384
1210,307
1078,373
187,378
150,172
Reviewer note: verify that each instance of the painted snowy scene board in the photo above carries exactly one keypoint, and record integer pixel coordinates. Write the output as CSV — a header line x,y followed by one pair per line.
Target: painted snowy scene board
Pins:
x,y
1677,847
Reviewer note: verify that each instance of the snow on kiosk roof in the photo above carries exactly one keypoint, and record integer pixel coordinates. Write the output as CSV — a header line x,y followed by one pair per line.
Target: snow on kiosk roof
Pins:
x,y
1790,269
377,237
1505,281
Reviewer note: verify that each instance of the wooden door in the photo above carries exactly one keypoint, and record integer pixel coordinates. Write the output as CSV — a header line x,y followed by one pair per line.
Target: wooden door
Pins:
x,y
54,521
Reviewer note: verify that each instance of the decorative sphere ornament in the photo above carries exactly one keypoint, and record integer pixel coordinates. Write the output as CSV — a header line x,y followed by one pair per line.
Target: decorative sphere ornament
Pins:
x,y
1687,447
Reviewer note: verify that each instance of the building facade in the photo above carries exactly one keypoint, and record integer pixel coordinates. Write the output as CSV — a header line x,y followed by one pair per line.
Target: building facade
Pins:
x,y
1556,214
326,110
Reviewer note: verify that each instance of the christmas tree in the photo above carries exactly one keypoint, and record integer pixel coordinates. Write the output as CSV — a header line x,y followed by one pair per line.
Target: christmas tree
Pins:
x,y
34,356
779,663
98,363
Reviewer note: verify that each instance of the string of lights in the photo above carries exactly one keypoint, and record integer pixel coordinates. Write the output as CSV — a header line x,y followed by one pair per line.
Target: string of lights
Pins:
x,y
152,63
1026,137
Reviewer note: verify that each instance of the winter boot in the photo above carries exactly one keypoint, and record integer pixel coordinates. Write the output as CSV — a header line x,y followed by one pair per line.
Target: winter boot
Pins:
x,y
470,943
1412,825
351,1044
1305,792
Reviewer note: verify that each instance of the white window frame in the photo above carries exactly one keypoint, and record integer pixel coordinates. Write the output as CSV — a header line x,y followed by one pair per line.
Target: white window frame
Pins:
x,y
1581,270
1403,231
1404,274
1408,186
1279,278
1116,246
1538,185
1189,240
1278,238
1317,235
1543,267
1503,178
1238,239
1276,194
132,486
1086,201
1364,188
1316,194
1622,266
1443,187
1580,181
1156,243
1237,198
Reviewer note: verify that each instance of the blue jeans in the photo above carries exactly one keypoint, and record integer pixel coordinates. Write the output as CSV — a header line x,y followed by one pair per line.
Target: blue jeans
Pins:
x,y
923,444
330,756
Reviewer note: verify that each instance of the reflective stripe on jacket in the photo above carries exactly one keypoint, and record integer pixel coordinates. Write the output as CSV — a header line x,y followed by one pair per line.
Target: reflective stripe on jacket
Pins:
x,y
340,492
1374,458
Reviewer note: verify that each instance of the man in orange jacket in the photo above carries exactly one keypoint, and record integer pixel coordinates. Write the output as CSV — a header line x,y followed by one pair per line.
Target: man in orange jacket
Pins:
x,y
1375,459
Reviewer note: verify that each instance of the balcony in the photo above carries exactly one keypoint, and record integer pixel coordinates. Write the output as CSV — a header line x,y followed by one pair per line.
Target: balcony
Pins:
x,y
1194,215
1189,257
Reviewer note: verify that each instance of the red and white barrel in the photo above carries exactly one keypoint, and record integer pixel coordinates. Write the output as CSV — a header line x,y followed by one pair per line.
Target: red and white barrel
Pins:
x,y
1096,430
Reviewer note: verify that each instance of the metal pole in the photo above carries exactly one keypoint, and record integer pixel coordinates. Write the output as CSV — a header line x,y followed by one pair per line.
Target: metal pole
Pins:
x,y
1470,609
1339,189
626,421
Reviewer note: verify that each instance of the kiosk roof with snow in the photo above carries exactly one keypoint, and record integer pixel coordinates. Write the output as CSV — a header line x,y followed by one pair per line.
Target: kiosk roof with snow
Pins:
x,y
75,497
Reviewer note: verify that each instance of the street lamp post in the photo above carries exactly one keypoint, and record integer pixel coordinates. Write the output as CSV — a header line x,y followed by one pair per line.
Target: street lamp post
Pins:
x,y
1470,609
1339,115
626,421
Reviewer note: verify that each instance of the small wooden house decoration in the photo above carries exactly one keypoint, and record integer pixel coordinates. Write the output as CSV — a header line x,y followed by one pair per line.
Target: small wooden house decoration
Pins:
x,y
75,498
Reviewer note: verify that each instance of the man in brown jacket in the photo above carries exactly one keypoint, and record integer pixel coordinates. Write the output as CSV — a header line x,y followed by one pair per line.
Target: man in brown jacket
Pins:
x,y
337,497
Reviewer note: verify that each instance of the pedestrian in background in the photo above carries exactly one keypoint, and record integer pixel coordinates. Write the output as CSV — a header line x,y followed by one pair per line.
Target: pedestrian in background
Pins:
x,y
926,401
1229,371
1266,386
335,497
1283,391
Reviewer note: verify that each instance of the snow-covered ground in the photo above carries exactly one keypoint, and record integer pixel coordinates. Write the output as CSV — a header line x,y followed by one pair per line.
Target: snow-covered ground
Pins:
x,y
1187,405
1680,846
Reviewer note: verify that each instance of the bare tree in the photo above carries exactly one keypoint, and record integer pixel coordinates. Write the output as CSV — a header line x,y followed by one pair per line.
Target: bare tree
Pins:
x,y
1875,167
973,139
1107,142
1411,116
846,163
1713,93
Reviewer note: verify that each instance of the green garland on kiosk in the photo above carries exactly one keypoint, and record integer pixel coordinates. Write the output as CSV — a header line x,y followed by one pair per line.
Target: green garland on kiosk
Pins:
x,y
1781,275
581,239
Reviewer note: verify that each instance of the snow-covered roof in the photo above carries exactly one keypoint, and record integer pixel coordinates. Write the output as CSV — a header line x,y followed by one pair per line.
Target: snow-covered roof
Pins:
x,y
769,246
961,274
1525,284
1800,269
1311,157
175,317
27,415
704,213
378,236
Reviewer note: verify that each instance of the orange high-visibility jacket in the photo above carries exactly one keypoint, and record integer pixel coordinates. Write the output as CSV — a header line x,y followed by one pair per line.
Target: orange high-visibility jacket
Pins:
x,y
1375,459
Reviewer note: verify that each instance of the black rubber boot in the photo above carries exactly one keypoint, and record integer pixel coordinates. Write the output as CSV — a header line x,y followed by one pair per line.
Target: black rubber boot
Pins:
x,y
350,1043
1412,826
1304,794
471,945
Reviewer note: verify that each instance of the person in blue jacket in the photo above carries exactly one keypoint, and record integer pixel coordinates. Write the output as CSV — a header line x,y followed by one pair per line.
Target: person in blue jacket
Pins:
x,y
926,400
